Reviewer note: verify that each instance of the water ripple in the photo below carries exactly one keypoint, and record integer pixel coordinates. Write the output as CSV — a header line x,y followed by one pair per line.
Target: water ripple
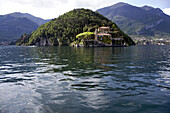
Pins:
x,y
57,79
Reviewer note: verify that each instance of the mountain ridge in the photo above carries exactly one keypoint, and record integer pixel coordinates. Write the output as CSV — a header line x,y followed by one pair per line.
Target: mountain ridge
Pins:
x,y
35,19
138,21
13,25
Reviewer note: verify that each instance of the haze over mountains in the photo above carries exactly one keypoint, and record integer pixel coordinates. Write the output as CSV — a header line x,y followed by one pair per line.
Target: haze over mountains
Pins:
x,y
13,25
138,21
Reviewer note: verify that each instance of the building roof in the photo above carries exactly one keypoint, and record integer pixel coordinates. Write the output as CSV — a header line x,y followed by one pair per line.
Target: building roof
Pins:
x,y
103,34
104,27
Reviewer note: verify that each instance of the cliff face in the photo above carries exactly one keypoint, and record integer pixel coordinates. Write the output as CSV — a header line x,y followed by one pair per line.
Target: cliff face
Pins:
x,y
43,42
63,30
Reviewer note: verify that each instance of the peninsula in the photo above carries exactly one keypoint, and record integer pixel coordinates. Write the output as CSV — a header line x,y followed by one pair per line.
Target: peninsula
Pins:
x,y
79,27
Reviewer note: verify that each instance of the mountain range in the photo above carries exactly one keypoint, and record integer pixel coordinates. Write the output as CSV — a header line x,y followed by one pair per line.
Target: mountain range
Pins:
x,y
135,21
13,25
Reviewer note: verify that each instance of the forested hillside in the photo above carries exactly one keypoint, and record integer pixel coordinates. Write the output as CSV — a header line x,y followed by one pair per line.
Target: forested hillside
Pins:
x,y
63,30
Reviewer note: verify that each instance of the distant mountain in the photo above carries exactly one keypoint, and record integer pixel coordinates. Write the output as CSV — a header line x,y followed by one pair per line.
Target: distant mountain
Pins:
x,y
138,21
34,19
13,25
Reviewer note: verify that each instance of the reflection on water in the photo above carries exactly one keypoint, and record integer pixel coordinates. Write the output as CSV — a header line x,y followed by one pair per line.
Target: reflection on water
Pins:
x,y
73,80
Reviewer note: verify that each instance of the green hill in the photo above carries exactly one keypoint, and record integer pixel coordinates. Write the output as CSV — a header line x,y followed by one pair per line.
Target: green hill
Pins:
x,y
63,30
138,21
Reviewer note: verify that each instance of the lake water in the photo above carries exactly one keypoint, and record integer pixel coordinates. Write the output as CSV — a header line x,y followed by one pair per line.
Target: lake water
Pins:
x,y
132,79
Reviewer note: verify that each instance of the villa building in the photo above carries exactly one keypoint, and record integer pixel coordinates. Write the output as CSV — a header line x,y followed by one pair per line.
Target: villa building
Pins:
x,y
102,34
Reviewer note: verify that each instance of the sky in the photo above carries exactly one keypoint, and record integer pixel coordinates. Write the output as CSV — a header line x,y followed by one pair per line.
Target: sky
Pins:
x,y
48,9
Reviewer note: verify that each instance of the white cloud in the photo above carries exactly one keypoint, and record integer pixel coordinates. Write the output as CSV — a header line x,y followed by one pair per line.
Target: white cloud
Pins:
x,y
49,8
42,8
166,11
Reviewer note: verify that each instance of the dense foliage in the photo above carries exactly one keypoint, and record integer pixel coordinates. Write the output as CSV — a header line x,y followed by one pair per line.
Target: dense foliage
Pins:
x,y
86,35
63,30
138,21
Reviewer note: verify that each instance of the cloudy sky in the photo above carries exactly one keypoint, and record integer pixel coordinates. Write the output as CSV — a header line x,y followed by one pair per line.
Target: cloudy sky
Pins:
x,y
48,9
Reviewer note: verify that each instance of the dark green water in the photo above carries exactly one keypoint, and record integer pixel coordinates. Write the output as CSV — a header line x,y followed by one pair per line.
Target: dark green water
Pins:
x,y
134,79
